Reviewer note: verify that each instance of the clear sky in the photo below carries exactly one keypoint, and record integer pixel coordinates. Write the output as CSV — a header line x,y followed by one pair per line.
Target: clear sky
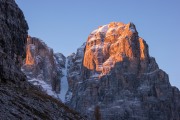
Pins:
x,y
65,25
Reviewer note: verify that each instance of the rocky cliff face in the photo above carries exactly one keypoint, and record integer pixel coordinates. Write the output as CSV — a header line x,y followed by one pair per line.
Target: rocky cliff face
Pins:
x,y
112,76
45,69
18,98
74,71
117,79
13,30
42,67
115,43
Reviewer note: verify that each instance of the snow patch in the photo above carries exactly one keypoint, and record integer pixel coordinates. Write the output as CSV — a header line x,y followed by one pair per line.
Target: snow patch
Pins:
x,y
151,72
45,86
144,87
132,29
68,96
64,83
102,29
96,75
33,47
95,47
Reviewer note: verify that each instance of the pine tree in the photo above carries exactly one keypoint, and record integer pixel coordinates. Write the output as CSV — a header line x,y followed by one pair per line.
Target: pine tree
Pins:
x,y
97,113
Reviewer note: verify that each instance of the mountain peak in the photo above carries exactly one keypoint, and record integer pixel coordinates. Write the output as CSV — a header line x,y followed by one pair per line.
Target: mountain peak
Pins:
x,y
118,79
112,43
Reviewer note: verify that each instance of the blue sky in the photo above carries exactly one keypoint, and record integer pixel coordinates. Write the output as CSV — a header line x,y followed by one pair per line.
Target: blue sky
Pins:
x,y
65,25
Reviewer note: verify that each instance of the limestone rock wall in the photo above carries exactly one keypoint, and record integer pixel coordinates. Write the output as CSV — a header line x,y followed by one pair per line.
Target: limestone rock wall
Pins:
x,y
41,64
119,80
18,98
13,31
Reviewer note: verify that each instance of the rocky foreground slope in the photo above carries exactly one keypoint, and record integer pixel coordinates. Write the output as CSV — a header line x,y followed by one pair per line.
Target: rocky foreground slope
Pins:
x,y
18,98
113,77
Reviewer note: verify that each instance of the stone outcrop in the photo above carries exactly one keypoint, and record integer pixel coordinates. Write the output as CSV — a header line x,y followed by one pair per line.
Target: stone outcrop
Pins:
x,y
117,78
41,65
74,71
13,31
114,43
18,98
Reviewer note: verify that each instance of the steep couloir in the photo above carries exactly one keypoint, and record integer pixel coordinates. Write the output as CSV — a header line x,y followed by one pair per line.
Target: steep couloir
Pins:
x,y
18,98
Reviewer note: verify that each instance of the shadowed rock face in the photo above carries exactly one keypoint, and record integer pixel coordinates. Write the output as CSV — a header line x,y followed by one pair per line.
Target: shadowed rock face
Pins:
x,y
18,98
40,64
13,31
119,79
74,72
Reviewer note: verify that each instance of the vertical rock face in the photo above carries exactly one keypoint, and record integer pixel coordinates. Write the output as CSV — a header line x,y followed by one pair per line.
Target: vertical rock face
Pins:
x,y
74,71
114,43
117,78
110,77
42,67
13,31
18,98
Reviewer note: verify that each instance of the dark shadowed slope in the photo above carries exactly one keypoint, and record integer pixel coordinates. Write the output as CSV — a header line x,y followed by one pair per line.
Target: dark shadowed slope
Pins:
x,y
18,98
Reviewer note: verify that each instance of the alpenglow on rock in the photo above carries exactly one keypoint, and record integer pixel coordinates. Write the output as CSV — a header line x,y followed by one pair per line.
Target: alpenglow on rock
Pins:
x,y
42,67
19,100
118,80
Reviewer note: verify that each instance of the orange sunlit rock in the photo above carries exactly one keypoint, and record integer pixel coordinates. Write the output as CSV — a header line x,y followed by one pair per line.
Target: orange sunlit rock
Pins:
x,y
112,43
142,49
29,57
30,52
